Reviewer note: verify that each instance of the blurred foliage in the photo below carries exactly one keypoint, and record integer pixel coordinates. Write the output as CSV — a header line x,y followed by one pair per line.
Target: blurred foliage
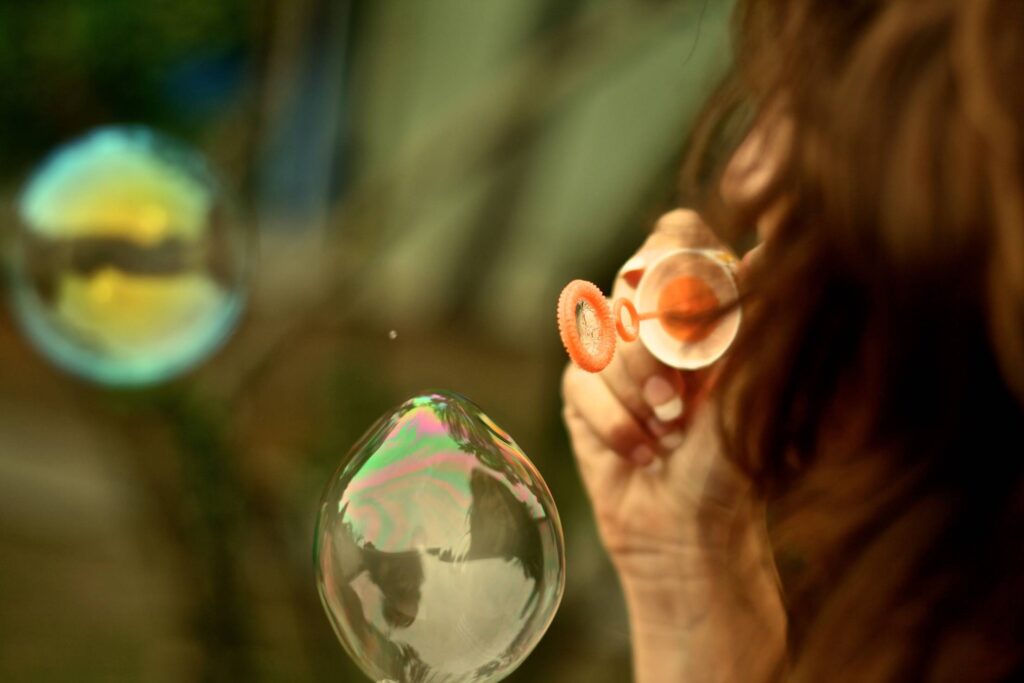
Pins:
x,y
68,66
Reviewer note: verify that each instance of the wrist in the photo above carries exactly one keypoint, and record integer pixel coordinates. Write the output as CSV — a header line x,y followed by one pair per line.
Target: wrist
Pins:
x,y
672,587
669,592
709,619
690,550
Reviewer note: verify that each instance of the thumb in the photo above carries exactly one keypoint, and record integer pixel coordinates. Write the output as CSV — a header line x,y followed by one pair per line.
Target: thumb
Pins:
x,y
679,229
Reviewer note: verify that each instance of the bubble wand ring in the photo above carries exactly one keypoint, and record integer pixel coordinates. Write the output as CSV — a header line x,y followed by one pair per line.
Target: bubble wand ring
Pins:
x,y
629,331
585,325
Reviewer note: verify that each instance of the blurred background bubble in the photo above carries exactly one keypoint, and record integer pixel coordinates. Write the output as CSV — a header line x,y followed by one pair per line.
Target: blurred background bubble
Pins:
x,y
419,181
126,267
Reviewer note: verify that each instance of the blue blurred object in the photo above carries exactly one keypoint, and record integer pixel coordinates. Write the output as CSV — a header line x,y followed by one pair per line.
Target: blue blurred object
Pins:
x,y
203,85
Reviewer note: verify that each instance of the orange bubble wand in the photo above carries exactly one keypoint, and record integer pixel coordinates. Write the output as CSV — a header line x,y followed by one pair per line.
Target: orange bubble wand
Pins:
x,y
683,292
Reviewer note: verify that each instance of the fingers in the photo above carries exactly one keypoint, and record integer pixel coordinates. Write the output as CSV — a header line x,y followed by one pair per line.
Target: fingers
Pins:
x,y
653,393
656,395
636,407
590,401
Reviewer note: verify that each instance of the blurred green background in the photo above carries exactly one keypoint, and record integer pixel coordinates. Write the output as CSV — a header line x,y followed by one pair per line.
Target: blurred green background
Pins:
x,y
437,169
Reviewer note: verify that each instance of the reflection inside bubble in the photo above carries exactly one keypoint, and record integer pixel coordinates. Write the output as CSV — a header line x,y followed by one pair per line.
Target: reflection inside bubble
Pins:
x,y
439,551
127,268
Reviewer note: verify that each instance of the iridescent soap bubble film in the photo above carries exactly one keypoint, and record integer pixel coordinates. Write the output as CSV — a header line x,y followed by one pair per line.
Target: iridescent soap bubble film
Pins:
x,y
439,551
127,268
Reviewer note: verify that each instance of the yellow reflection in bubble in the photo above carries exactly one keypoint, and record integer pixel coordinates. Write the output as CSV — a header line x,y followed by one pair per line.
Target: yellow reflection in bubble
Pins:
x,y
125,312
117,188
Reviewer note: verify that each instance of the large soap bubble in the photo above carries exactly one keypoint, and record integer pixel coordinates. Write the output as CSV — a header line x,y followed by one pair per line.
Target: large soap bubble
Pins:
x,y
127,267
439,552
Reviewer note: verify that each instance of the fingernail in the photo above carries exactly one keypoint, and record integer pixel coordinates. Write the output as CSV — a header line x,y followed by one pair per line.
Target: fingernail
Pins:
x,y
672,441
663,399
642,455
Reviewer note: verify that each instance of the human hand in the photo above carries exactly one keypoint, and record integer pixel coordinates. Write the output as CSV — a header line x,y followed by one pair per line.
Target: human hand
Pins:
x,y
676,516
645,439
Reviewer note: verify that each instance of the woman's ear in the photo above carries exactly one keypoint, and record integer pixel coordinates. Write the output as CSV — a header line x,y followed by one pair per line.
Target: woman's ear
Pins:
x,y
757,160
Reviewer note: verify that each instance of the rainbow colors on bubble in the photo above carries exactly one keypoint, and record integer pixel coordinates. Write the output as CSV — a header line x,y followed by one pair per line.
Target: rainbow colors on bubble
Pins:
x,y
127,266
438,550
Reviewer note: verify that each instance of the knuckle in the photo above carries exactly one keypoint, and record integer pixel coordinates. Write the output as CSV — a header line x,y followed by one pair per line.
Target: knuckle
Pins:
x,y
638,362
568,381
678,219
684,227
623,436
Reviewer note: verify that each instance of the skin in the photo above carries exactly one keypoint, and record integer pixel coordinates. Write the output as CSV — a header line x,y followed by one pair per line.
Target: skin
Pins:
x,y
676,517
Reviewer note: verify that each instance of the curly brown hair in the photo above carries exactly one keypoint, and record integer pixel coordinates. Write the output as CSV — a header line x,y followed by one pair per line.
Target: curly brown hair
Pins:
x,y
876,392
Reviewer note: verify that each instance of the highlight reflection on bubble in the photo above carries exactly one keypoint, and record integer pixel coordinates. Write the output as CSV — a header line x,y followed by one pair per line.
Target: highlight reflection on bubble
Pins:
x,y
127,268
439,551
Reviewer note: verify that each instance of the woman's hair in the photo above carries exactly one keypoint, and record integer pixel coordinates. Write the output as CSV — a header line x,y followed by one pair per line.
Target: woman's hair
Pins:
x,y
876,391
